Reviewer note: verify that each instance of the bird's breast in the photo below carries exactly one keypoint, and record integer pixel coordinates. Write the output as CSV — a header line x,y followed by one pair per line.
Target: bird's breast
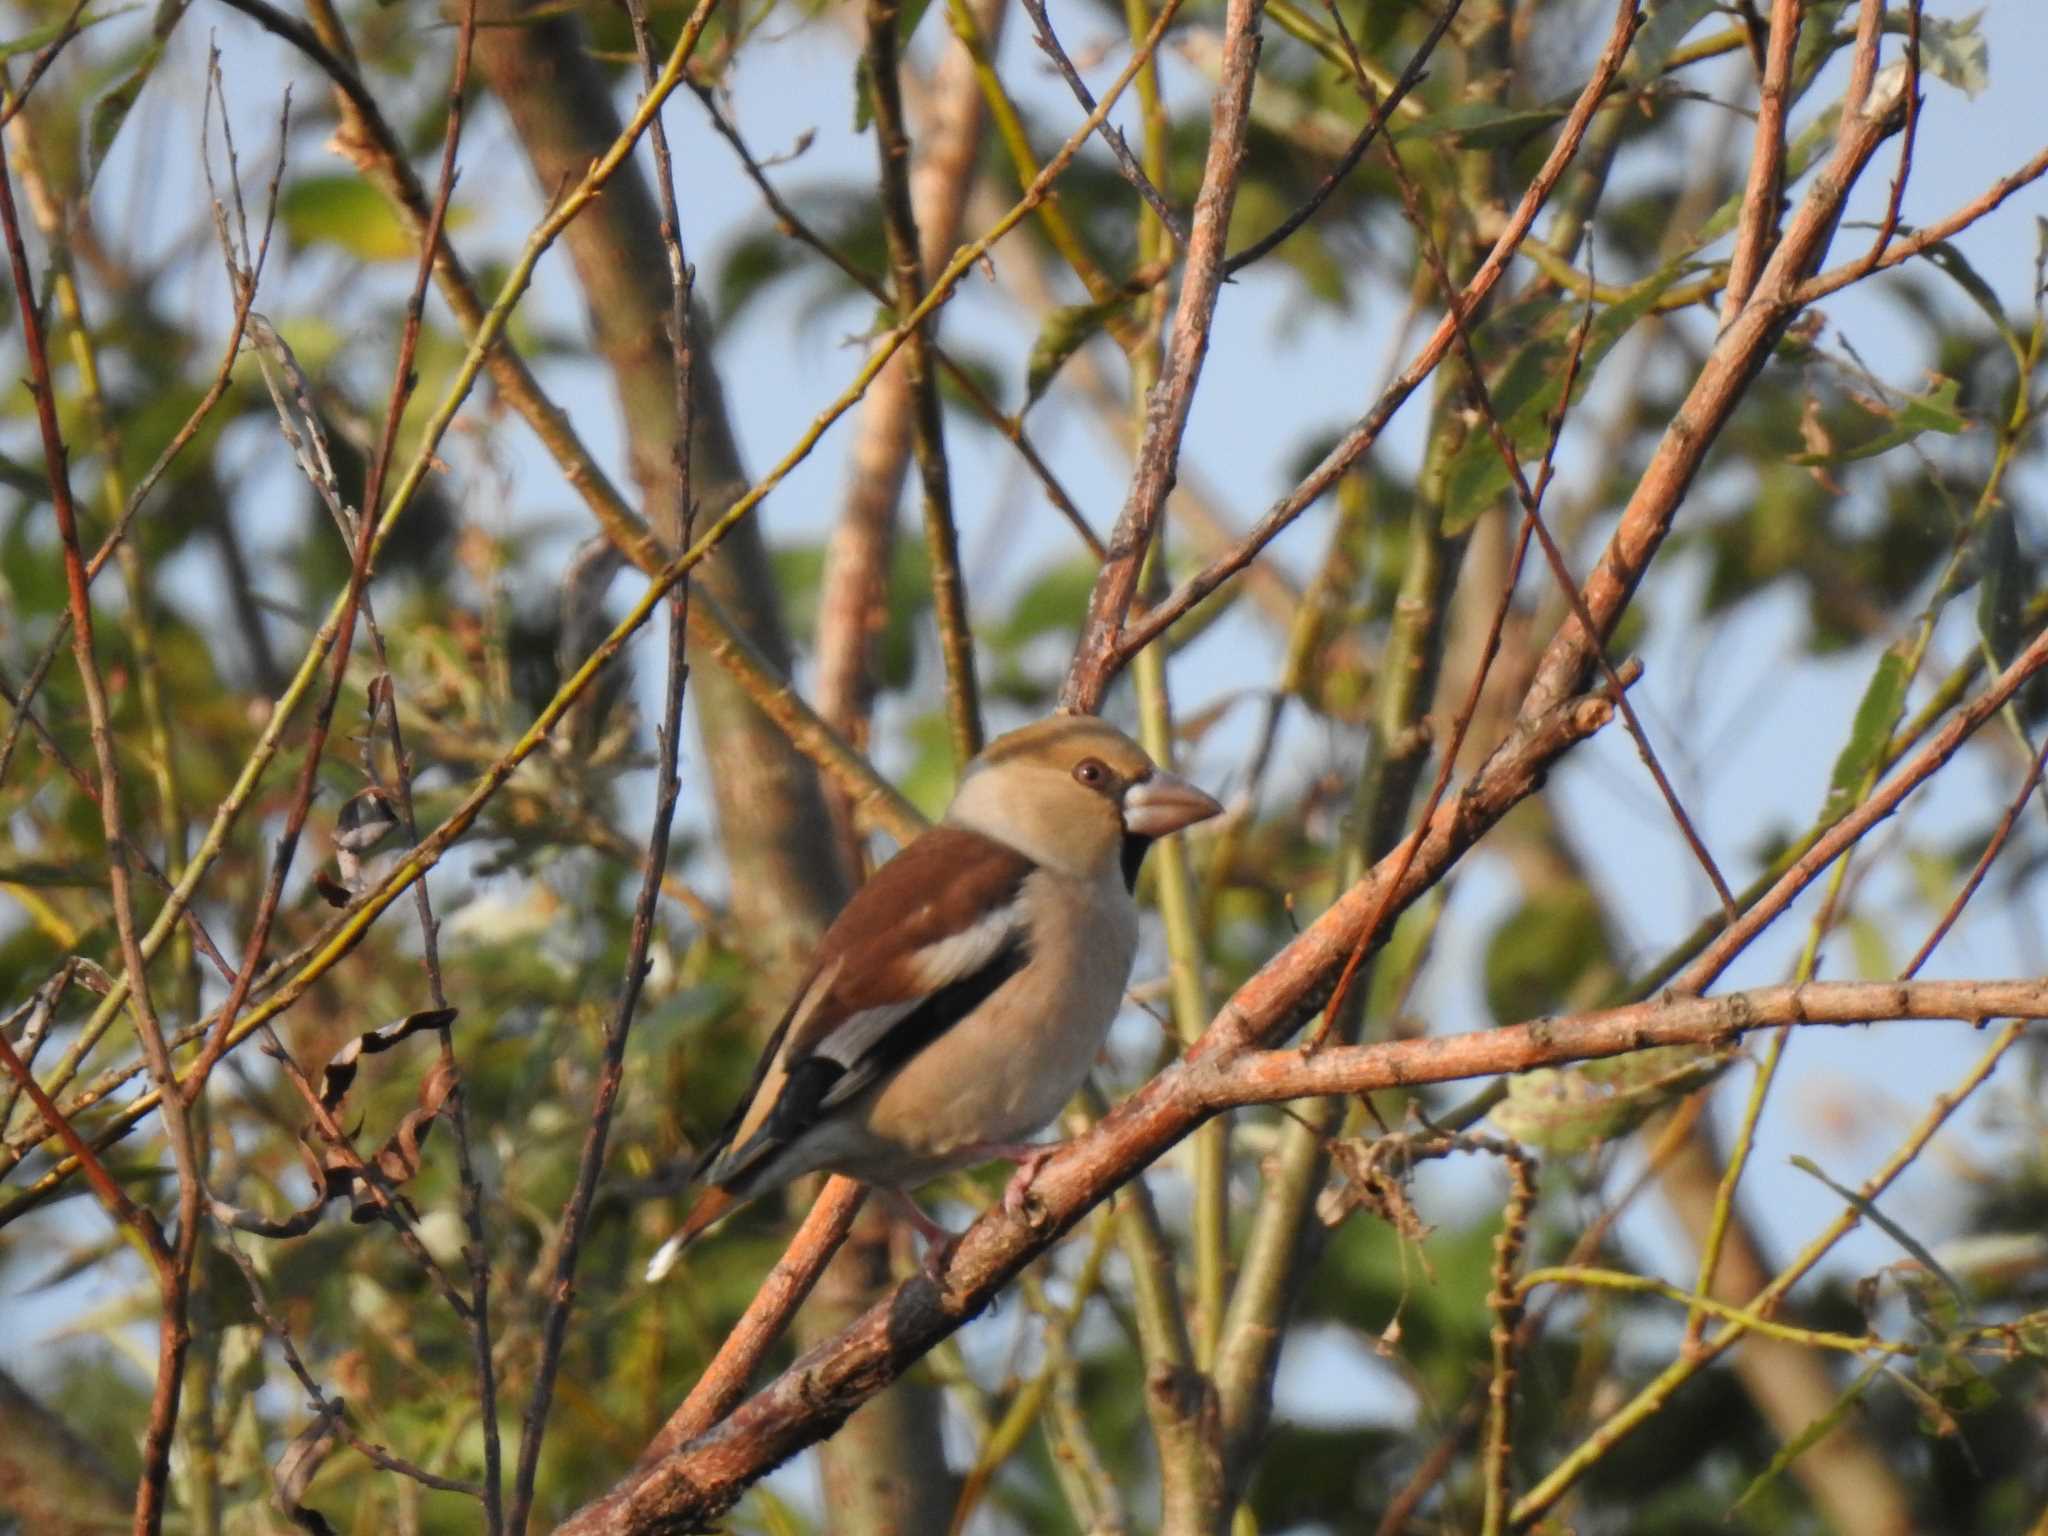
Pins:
x,y
1007,1069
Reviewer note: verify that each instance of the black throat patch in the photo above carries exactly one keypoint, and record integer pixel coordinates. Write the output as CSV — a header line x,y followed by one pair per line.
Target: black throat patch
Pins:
x,y
1136,845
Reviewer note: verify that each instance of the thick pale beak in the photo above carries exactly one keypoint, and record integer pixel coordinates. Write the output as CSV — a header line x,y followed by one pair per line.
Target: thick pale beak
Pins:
x,y
1163,802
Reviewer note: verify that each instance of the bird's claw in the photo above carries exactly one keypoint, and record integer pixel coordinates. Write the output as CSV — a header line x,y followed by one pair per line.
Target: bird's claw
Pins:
x,y
938,1255
1017,1201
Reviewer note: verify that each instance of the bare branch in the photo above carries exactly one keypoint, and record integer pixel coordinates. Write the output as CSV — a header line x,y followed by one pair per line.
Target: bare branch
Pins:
x,y
1096,659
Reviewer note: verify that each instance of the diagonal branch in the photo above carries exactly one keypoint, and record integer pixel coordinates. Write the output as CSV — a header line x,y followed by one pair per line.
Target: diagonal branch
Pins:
x,y
1096,656
1126,163
1738,354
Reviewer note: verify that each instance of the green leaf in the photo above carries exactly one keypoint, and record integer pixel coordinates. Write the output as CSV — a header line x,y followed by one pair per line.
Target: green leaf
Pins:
x,y
1954,51
1662,31
1065,332
751,267
1952,262
1810,1436
39,38
1569,1109
345,211
2001,581
1393,971
1932,412
907,18
1548,953
1054,602
1884,700
1525,394
863,96
1890,1228
1483,125
1870,943
111,110
32,480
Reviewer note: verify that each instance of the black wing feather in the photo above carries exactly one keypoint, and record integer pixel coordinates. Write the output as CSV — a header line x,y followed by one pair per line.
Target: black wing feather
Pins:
x,y
811,1080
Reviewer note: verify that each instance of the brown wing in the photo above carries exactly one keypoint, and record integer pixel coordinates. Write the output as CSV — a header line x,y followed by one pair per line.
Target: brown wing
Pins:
x,y
921,945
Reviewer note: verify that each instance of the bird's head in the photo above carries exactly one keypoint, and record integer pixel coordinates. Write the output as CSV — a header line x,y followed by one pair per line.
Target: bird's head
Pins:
x,y
1077,795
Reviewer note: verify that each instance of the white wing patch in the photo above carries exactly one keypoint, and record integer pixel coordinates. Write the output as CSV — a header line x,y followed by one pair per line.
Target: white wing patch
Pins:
x,y
858,1034
963,953
937,965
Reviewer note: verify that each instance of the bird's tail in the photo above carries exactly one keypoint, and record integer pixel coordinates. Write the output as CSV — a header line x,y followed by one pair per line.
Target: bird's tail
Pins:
x,y
711,1205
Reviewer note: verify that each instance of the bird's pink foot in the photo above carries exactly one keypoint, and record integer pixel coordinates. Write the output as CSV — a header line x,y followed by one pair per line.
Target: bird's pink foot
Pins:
x,y
939,1240
1029,1156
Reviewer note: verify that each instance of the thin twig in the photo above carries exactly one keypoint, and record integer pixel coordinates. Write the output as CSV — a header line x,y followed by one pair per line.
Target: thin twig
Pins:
x,y
906,269
792,224
1927,236
1889,225
1375,120
1365,432
1982,867
568,1245
45,56
174,1268
1126,163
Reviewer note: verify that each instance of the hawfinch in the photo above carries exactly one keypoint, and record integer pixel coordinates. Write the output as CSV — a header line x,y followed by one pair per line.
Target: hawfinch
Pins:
x,y
957,1003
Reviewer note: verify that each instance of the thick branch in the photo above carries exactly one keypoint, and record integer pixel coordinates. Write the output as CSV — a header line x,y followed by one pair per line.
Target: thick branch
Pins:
x,y
1268,1077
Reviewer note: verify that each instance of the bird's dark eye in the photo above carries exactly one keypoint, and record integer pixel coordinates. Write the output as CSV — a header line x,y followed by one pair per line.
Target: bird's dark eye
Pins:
x,y
1092,772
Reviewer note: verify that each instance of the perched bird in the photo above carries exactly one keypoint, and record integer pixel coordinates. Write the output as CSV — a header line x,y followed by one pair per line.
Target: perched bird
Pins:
x,y
956,1004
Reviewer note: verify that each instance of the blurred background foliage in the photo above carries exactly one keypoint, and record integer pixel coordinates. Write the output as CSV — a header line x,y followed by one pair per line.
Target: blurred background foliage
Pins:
x,y
1859,504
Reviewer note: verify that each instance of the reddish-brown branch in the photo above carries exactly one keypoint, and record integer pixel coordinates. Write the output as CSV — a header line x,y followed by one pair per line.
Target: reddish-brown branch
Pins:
x,y
724,1381
1927,236
1766,186
1266,1077
1844,834
1097,655
111,1195
1889,225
